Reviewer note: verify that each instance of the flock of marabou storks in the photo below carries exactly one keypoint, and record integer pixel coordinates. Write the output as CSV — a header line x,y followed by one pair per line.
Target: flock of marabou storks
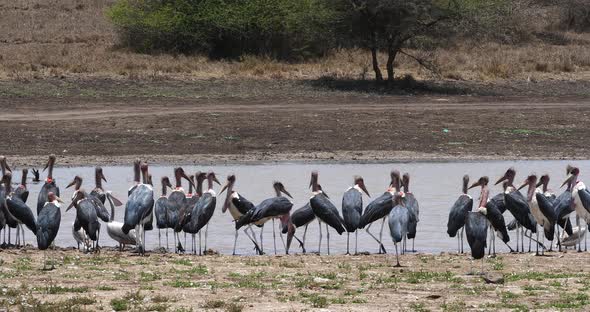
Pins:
x,y
539,207
190,212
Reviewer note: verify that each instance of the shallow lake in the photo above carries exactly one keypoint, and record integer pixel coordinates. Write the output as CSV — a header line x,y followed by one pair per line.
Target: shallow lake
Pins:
x,y
435,185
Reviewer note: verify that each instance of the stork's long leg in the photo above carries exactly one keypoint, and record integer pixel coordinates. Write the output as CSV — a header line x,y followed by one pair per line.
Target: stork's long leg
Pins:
x,y
167,246
200,243
236,241
538,241
159,238
320,243
261,244
347,243
274,235
462,230
580,231
253,239
381,248
328,237
304,234
206,232
396,255
381,236
356,240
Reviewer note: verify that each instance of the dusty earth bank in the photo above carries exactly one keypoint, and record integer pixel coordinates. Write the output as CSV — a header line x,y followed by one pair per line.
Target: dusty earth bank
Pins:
x,y
168,282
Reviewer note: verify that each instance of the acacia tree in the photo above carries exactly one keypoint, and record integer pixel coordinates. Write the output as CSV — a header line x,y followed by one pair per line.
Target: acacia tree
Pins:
x,y
387,25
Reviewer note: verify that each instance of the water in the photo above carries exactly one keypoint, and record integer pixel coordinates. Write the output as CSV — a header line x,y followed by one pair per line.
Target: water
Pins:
x,y
435,185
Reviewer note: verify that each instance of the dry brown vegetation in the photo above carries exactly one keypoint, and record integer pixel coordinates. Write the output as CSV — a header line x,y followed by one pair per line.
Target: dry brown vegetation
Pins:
x,y
167,282
73,38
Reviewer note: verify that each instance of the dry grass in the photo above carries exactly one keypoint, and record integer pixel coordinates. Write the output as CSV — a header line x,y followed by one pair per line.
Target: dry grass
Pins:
x,y
72,38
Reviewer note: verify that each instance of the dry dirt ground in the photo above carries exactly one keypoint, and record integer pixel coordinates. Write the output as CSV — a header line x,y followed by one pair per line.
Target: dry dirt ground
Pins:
x,y
230,122
167,282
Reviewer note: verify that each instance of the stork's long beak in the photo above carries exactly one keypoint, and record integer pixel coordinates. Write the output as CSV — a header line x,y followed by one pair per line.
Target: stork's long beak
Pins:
x,y
504,177
188,179
567,180
525,183
286,193
539,184
224,187
71,183
325,194
70,206
475,184
215,180
116,201
46,165
364,188
103,177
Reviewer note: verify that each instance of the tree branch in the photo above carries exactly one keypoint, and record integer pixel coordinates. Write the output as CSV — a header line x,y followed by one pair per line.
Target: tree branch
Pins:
x,y
432,68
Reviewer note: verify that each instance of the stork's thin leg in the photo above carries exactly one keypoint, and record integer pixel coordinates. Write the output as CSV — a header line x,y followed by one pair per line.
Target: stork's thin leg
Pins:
x,y
200,243
381,236
580,231
381,248
458,243
517,240
274,235
490,245
347,243
283,240
175,245
462,230
253,241
413,246
356,241
235,242
558,238
261,244
206,233
167,246
537,254
159,238
193,244
320,243
328,237
586,236
23,230
396,256
531,238
304,234
185,239
482,272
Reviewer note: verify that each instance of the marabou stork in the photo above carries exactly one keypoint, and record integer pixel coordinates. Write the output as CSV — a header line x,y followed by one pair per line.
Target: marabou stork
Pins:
x,y
138,209
380,207
399,222
49,185
238,206
495,218
271,208
411,204
99,196
352,210
324,211
541,209
86,217
176,202
463,205
303,217
48,224
581,200
160,210
18,209
517,204
185,214
476,224
204,209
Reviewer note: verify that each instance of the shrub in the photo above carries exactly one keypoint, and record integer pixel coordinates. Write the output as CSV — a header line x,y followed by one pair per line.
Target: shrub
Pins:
x,y
282,29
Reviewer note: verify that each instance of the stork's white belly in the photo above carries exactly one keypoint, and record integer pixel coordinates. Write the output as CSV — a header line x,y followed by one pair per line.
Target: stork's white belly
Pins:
x,y
115,231
233,210
80,236
536,212
580,210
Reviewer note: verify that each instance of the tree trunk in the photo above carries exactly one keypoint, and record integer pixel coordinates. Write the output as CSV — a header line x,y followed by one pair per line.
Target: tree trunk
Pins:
x,y
392,53
378,75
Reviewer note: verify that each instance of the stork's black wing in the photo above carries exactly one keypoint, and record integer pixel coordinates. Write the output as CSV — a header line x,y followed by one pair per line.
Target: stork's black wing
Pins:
x,y
352,208
377,209
476,231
